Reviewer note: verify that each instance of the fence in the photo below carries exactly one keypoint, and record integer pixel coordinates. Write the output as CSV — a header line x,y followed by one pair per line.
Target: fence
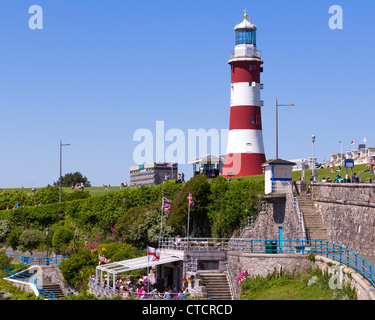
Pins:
x,y
19,273
317,247
37,261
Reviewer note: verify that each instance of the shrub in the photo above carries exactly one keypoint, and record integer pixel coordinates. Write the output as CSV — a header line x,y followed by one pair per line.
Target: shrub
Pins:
x,y
62,237
31,239
14,238
5,228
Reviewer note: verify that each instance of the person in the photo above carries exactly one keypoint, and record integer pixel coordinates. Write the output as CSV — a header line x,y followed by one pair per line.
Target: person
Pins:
x,y
82,186
183,177
181,295
69,292
324,180
177,240
355,178
329,179
17,205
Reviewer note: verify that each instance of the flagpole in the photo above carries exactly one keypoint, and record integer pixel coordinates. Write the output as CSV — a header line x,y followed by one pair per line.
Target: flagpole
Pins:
x,y
161,219
188,231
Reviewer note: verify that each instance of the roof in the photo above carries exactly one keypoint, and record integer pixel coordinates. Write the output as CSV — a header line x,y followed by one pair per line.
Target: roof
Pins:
x,y
138,263
278,162
208,158
245,24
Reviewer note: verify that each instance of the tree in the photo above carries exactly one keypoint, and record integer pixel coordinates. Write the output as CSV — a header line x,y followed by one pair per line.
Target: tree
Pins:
x,y
70,179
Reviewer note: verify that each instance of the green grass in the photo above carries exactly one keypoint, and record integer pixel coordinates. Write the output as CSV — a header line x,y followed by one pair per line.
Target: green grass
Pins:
x,y
94,191
325,172
309,284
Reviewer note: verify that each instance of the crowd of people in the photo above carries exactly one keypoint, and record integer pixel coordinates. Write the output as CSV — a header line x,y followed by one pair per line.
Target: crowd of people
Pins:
x,y
141,288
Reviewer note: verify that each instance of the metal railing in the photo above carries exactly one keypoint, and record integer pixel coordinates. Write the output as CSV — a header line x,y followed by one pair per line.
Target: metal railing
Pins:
x,y
318,247
248,53
37,261
299,213
108,292
18,272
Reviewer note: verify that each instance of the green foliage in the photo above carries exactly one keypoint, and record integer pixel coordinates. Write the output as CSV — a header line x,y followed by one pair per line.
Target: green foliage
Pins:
x,y
31,239
140,226
5,228
75,178
231,203
199,187
14,237
9,198
4,261
308,284
77,269
62,237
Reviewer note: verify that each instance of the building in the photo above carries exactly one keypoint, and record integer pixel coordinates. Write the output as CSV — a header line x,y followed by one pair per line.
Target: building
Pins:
x,y
245,150
152,174
209,165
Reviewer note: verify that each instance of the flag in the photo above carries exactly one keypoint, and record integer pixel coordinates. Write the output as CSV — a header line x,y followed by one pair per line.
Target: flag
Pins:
x,y
191,202
365,139
102,259
340,141
352,142
170,165
166,204
153,254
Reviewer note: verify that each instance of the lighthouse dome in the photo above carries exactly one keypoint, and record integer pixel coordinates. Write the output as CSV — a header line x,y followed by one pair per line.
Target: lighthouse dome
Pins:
x,y
245,24
245,32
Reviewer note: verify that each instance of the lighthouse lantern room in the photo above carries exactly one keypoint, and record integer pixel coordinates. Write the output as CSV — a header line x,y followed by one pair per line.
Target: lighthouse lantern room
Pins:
x,y
245,150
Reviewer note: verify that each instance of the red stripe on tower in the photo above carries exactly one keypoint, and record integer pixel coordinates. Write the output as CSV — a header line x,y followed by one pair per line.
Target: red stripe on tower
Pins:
x,y
245,152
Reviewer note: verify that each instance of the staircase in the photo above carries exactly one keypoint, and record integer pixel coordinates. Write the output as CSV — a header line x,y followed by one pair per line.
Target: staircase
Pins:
x,y
217,285
55,288
313,222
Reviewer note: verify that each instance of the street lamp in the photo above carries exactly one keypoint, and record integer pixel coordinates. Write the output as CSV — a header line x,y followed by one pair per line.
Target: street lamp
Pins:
x,y
47,233
277,124
313,159
61,145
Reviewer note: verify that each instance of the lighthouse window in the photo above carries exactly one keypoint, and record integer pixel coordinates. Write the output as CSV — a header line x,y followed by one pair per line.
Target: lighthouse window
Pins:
x,y
250,67
245,37
253,119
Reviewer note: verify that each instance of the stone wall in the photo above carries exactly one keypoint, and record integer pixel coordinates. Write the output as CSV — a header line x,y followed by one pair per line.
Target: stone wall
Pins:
x,y
264,264
348,212
279,213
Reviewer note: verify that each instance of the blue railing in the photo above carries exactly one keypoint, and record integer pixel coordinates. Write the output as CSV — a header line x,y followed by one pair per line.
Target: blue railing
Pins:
x,y
16,272
318,247
37,261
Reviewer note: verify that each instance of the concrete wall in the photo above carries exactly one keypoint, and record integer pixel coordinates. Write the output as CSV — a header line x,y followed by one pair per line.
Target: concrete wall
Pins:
x,y
348,212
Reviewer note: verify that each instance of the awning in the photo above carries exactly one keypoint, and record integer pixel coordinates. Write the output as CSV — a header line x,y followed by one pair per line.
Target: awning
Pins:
x,y
138,263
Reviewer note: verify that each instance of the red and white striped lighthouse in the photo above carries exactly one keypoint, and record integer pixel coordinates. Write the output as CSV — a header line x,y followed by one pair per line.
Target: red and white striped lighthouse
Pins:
x,y
245,150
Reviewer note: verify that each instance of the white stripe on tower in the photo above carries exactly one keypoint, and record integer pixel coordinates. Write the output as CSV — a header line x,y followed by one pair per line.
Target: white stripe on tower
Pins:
x,y
245,153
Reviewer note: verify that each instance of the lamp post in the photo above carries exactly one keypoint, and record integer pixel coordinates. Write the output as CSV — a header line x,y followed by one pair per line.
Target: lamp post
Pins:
x,y
313,159
61,145
47,233
277,124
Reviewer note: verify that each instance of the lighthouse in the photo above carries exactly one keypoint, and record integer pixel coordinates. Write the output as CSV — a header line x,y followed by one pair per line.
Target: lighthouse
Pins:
x,y
245,150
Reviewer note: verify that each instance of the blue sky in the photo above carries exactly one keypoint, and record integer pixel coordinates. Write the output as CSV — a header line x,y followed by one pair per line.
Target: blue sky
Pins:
x,y
100,70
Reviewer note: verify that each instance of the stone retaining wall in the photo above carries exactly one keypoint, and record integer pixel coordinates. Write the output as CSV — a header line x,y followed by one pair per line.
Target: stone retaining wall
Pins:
x,y
264,264
348,212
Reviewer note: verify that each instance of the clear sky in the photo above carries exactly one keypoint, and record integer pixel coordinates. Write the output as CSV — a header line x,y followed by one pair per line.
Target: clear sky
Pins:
x,y
100,70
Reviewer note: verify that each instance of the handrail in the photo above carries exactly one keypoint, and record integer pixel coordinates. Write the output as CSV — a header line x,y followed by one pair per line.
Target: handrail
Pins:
x,y
299,213
321,247
17,272
251,220
37,261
